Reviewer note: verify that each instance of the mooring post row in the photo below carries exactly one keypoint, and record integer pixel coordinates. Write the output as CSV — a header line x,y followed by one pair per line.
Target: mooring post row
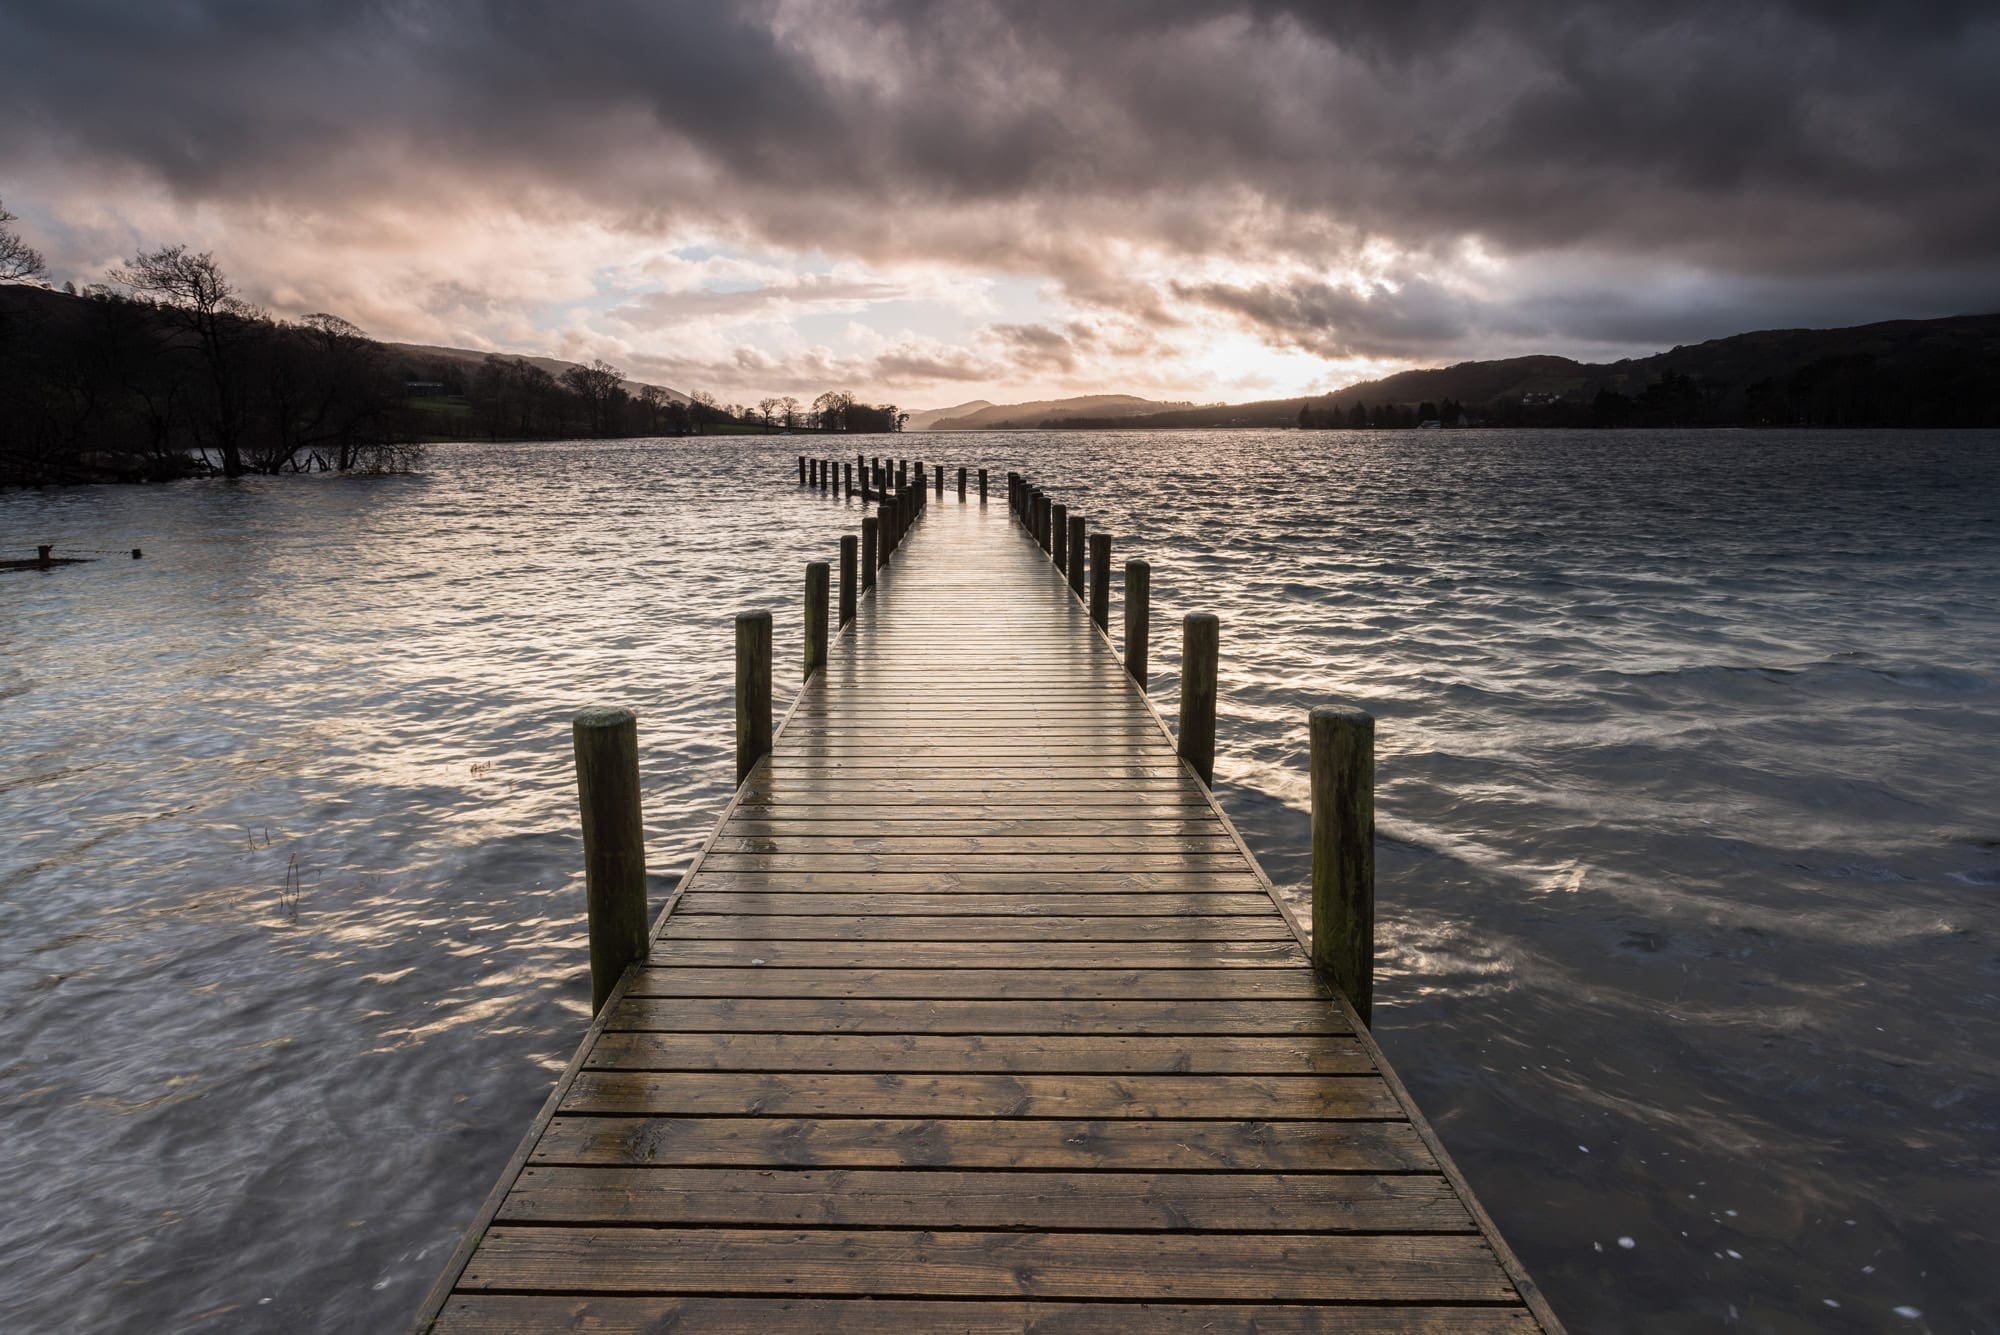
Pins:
x,y
815,646
1200,642
1138,614
614,843
1100,580
753,691
850,554
1343,851
1077,537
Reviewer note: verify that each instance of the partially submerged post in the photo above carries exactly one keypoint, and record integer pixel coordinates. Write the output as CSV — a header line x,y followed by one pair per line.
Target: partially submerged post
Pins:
x,y
753,691
815,647
614,844
849,559
1201,637
1100,579
802,470
1343,851
1076,548
1138,594
982,486
961,484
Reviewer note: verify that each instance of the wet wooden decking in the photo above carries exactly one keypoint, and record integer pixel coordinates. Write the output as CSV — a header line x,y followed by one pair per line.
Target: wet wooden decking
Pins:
x,y
975,1014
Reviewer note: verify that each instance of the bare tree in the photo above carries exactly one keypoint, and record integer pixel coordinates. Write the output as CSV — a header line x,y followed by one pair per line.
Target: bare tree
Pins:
x,y
18,260
192,289
652,401
830,410
789,406
599,385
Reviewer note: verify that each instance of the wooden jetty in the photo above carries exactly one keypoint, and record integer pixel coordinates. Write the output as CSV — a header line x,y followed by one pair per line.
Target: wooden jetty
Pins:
x,y
973,1014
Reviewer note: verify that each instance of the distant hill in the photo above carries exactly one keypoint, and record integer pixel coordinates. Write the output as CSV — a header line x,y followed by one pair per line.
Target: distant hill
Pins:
x,y
922,420
469,360
1943,372
1015,416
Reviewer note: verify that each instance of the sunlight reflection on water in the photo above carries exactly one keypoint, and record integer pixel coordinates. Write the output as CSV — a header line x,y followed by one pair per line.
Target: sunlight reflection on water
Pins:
x,y
1686,801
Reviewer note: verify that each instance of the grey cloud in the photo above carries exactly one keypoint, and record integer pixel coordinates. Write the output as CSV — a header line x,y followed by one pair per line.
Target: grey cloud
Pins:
x,y
1775,144
804,293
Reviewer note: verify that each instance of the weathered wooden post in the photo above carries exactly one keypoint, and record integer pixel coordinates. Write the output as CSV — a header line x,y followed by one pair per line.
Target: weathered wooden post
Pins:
x,y
849,558
1200,643
939,477
982,486
902,475
825,476
869,549
1343,851
802,470
1076,549
883,525
135,553
847,472
1014,494
45,556
1059,519
961,486
614,844
1138,616
753,691
1100,580
1042,504
816,582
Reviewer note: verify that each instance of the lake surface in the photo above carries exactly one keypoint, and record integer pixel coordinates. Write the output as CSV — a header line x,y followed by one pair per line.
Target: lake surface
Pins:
x,y
1689,754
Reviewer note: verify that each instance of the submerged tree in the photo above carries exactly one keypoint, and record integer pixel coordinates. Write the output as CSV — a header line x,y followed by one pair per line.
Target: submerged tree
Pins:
x,y
203,303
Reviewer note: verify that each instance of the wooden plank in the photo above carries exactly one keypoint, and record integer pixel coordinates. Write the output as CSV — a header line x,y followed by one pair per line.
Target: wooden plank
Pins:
x,y
522,1314
1076,907
795,1016
1039,863
974,1054
984,882
677,952
813,1094
973,984
1211,1266
1162,1144
957,1199
916,842
967,927
892,822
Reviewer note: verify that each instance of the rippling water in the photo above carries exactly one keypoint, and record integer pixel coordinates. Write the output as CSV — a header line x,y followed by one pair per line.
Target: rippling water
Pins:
x,y
1688,880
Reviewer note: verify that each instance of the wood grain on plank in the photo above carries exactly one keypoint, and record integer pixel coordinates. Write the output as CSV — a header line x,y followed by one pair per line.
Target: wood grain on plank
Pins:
x,y
1309,1267
520,1314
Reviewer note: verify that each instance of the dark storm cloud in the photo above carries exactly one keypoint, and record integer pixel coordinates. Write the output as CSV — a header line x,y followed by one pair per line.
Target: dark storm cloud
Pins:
x,y
1775,143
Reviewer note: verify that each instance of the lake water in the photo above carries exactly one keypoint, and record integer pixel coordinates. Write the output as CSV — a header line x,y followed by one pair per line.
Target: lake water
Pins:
x,y
1691,846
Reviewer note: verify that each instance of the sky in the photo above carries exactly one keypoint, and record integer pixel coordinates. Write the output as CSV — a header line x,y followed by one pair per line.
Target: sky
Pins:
x,y
927,203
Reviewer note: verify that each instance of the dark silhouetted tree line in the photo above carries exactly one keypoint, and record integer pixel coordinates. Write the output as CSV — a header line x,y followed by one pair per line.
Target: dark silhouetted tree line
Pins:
x,y
181,377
